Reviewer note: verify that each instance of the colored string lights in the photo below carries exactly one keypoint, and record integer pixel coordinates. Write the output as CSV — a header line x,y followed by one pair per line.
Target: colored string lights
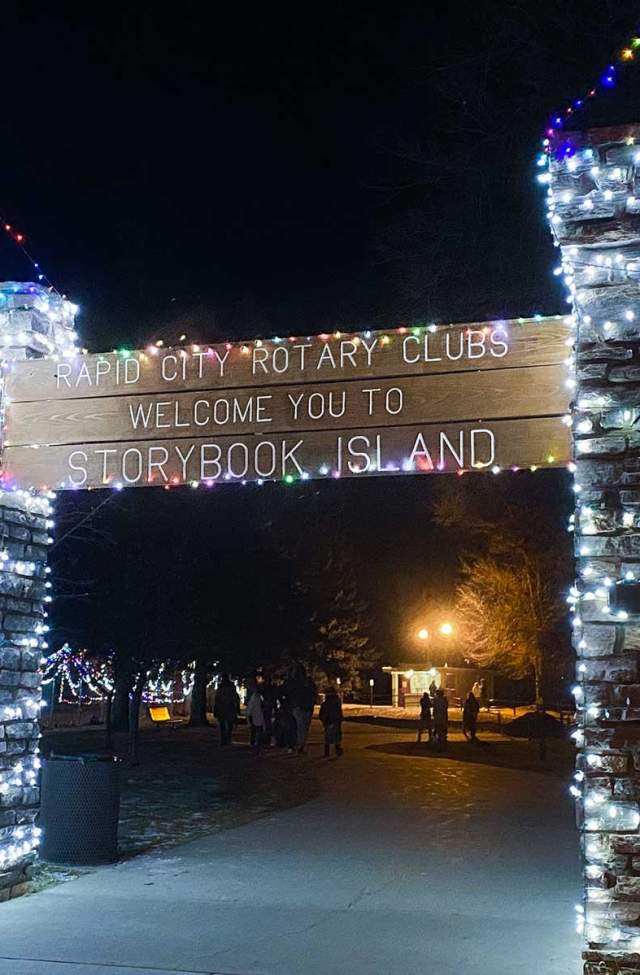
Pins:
x,y
18,238
150,363
608,80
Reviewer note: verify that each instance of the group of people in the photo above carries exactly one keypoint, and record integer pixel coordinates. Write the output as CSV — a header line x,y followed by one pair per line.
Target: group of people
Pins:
x,y
280,714
434,715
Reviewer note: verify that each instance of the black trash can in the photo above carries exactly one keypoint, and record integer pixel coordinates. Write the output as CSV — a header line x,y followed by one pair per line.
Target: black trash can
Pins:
x,y
80,807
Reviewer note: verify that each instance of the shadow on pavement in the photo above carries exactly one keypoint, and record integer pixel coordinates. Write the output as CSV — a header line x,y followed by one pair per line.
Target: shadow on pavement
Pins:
x,y
496,750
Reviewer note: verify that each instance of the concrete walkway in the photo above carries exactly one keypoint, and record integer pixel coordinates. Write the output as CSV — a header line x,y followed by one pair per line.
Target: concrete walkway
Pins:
x,y
406,863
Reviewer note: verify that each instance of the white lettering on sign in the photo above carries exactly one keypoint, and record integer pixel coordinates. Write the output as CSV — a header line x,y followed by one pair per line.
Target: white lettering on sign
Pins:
x,y
124,371
359,453
153,414
325,359
409,400
470,343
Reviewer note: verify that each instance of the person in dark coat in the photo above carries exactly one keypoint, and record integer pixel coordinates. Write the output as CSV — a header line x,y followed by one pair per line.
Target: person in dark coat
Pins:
x,y
301,694
225,708
331,718
269,694
424,721
470,717
284,725
440,718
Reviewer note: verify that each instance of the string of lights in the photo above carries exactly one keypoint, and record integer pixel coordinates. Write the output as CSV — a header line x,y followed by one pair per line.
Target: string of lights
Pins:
x,y
156,355
607,81
583,185
80,677
18,239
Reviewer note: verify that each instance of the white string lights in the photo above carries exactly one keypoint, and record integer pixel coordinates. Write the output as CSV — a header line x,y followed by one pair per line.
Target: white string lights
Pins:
x,y
78,676
34,322
592,203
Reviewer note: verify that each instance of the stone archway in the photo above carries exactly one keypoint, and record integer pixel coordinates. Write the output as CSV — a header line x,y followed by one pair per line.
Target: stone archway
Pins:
x,y
595,216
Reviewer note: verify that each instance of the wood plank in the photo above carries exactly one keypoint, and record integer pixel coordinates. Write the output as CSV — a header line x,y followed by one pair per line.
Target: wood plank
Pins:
x,y
317,358
356,453
537,391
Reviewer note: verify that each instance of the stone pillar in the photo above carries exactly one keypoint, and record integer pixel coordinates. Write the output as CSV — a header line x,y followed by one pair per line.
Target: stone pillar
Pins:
x,y
594,211
33,323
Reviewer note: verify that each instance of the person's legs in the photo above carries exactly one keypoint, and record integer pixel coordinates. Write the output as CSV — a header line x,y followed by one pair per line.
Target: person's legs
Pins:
x,y
297,716
303,720
224,733
306,718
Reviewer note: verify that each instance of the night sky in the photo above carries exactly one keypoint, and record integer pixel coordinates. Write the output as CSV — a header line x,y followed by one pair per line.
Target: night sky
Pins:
x,y
282,170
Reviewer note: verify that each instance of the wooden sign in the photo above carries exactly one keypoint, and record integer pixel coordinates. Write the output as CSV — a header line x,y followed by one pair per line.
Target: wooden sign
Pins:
x,y
422,400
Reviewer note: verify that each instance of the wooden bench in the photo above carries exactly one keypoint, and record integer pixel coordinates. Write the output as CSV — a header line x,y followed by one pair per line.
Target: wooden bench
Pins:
x,y
160,715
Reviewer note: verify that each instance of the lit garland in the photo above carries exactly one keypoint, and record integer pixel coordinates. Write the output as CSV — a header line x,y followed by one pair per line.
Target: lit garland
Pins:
x,y
18,238
82,677
33,320
600,812
78,676
324,470
606,82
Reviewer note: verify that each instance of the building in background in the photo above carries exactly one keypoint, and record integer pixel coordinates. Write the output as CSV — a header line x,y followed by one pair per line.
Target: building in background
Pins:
x,y
410,680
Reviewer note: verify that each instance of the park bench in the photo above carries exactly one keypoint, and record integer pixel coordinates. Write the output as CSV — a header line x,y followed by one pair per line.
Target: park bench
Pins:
x,y
160,715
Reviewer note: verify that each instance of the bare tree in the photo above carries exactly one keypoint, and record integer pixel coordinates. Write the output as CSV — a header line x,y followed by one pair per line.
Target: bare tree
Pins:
x,y
507,613
515,564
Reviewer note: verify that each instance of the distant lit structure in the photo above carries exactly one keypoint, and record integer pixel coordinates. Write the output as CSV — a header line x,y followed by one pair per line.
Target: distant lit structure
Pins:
x,y
410,680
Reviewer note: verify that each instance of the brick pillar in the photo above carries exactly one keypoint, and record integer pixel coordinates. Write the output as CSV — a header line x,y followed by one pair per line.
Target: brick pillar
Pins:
x,y
594,211
33,323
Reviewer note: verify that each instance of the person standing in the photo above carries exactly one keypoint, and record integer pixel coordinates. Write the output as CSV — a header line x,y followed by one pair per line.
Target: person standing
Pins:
x,y
269,697
225,708
440,718
255,717
284,725
301,694
424,721
470,717
331,718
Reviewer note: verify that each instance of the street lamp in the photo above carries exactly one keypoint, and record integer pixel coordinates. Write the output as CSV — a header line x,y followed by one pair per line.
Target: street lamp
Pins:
x,y
423,634
371,683
446,629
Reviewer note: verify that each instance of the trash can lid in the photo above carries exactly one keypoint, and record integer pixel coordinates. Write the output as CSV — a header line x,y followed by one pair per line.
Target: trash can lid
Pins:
x,y
83,757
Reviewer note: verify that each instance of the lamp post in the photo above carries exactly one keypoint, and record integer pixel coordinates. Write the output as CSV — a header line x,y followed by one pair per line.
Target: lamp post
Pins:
x,y
371,683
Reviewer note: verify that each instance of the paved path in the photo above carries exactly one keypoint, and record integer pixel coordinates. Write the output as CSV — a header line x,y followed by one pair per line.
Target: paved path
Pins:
x,y
404,864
